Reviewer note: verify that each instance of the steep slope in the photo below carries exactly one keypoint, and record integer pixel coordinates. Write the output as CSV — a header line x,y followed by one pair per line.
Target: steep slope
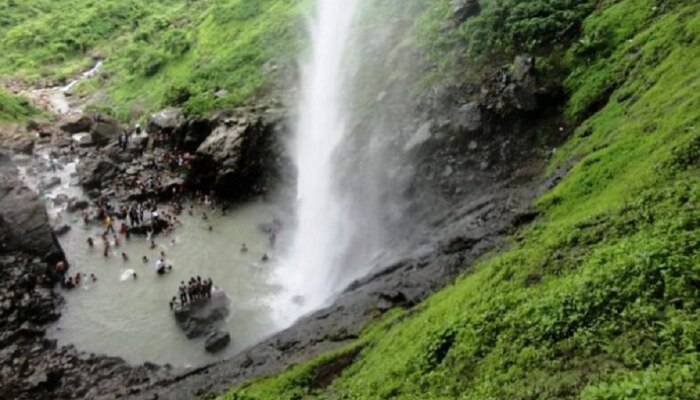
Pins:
x,y
13,108
202,54
598,298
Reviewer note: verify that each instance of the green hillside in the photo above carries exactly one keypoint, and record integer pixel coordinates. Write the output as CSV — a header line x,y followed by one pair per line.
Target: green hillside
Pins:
x,y
158,53
13,108
600,297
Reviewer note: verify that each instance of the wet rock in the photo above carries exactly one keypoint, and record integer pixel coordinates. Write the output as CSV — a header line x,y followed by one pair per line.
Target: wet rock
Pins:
x,y
24,223
190,134
524,69
51,183
465,9
61,230
165,121
244,156
217,341
75,123
96,172
468,117
105,130
78,205
203,317
83,139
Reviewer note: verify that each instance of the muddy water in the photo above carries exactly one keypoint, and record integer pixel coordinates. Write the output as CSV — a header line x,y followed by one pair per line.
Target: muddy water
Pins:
x,y
131,318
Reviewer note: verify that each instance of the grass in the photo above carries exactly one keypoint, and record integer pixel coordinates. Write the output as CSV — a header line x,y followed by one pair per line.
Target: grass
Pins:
x,y
14,108
600,297
159,53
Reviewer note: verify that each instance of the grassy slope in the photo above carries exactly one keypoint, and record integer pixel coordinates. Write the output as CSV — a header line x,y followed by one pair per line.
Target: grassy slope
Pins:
x,y
161,52
599,298
14,108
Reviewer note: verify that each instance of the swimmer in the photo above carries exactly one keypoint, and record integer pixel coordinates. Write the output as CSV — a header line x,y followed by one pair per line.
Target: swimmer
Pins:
x,y
90,242
172,242
162,255
145,259
265,258
204,216
153,244
211,228
93,278
125,257
172,303
134,276
106,251
244,248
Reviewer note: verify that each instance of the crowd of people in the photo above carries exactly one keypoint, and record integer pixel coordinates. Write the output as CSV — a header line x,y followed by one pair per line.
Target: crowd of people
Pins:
x,y
196,290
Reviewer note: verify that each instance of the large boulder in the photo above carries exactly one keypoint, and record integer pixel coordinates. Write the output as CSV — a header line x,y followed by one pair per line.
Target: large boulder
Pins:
x,y
75,123
94,172
192,133
165,121
105,130
243,157
203,317
24,223
217,341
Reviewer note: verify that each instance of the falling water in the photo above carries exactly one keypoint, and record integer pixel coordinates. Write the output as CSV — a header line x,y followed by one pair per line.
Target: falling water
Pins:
x,y
310,270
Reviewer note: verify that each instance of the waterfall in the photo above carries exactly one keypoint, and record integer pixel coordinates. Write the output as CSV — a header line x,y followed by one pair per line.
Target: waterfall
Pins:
x,y
309,272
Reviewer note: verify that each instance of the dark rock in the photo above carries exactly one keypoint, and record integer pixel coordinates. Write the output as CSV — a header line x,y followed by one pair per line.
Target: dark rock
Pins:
x,y
61,230
524,71
465,9
203,317
78,205
468,117
192,133
217,341
96,172
24,223
165,121
243,157
105,130
75,123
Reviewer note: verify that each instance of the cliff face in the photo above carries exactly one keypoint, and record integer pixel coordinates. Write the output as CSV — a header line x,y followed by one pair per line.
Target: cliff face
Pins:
x,y
24,224
597,297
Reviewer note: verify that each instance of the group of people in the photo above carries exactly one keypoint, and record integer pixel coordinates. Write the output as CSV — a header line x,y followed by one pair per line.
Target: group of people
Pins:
x,y
197,289
72,282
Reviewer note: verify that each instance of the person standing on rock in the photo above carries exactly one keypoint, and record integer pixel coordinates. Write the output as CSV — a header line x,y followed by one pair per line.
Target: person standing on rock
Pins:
x,y
183,293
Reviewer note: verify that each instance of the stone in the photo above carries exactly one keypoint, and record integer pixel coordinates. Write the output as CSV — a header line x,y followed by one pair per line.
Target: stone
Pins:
x,y
524,69
462,10
96,171
468,117
61,230
24,223
105,130
217,341
83,139
75,123
203,317
165,121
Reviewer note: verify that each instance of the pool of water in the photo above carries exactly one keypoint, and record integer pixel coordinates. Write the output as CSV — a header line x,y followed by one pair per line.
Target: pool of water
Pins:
x,y
131,318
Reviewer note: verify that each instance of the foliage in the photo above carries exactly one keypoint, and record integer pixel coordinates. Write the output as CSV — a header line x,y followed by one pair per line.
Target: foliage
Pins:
x,y
197,47
615,311
13,108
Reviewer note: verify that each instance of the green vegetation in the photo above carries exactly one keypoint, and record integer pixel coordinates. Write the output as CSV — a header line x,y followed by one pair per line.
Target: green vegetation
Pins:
x,y
158,53
600,297
14,108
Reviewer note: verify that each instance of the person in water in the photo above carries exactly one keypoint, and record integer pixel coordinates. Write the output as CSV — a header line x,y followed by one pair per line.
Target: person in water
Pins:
x,y
265,258
145,259
160,266
93,278
125,257
172,303
90,242
244,248
153,244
